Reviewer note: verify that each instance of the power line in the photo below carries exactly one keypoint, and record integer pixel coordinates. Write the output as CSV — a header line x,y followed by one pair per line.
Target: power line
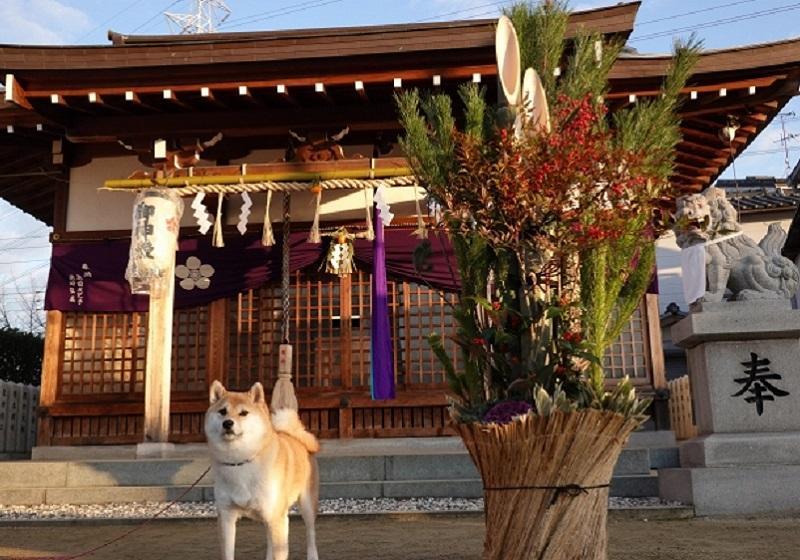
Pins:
x,y
283,13
158,15
19,243
112,18
710,9
24,262
718,22
268,12
769,151
23,274
463,10
29,238
24,248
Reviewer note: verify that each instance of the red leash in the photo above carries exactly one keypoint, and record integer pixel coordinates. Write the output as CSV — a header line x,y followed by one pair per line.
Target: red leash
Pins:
x,y
124,535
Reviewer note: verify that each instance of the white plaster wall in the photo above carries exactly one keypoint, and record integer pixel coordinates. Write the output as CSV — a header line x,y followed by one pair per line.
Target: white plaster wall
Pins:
x,y
90,209
669,262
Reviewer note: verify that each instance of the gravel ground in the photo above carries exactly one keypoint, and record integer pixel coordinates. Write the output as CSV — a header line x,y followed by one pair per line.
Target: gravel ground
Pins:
x,y
203,510
405,537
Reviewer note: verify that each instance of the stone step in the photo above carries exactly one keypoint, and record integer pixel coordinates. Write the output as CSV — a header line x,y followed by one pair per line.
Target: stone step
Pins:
x,y
161,472
632,486
635,486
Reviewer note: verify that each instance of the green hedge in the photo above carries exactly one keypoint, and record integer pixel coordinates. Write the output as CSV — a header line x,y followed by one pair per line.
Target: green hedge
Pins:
x,y
21,356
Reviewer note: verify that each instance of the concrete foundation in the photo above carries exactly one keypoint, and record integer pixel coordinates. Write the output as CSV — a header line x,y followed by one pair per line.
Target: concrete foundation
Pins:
x,y
401,467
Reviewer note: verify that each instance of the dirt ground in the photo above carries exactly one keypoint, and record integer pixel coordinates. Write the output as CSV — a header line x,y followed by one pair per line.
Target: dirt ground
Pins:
x,y
408,538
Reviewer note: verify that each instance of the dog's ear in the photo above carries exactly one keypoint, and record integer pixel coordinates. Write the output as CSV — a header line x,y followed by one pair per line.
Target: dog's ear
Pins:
x,y
257,393
216,392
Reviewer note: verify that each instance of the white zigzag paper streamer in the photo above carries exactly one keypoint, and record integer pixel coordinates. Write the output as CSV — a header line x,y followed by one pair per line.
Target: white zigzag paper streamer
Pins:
x,y
379,198
247,203
200,214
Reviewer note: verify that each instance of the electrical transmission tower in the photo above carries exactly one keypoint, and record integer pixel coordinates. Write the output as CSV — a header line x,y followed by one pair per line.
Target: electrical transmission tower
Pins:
x,y
205,18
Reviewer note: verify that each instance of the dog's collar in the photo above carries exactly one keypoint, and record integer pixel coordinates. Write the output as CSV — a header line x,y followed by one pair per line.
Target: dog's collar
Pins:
x,y
238,464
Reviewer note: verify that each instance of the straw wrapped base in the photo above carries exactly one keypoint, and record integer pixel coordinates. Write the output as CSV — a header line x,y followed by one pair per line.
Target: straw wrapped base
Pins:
x,y
546,482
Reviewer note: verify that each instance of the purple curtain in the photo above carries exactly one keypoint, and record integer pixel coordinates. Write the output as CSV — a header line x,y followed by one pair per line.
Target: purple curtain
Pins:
x,y
381,363
400,246
90,276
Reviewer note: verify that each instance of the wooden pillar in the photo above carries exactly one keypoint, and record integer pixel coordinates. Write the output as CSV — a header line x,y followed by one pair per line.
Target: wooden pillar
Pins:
x,y
51,373
657,366
158,363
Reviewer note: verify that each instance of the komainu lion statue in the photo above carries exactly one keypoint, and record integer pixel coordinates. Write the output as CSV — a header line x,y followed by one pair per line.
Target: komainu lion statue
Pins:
x,y
735,265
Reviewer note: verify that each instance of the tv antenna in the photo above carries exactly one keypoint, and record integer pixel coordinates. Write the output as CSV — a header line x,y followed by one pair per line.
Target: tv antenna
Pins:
x,y
205,18
784,140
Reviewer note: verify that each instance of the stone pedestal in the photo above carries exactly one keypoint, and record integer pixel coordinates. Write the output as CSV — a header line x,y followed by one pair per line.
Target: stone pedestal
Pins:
x,y
155,450
744,363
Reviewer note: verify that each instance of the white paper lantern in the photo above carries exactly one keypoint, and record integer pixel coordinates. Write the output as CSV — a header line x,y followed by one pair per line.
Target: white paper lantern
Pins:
x,y
154,237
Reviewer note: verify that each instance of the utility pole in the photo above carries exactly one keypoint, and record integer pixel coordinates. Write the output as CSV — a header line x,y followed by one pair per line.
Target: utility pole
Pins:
x,y
205,18
785,141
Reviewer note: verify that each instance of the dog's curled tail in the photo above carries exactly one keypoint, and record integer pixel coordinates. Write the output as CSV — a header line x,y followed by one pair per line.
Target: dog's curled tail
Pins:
x,y
286,420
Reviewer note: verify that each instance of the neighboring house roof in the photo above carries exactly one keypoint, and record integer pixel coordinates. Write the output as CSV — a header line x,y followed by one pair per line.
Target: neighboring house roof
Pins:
x,y
751,203
751,182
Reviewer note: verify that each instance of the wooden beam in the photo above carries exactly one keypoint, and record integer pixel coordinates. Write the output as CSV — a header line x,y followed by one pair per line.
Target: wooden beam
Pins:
x,y
743,101
696,170
95,98
368,118
283,93
320,90
132,98
694,91
362,94
681,155
171,97
245,94
15,93
714,140
423,75
698,147
693,179
207,95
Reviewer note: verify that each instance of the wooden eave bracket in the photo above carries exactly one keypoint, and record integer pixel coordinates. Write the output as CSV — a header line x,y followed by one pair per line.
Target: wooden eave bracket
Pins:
x,y
15,93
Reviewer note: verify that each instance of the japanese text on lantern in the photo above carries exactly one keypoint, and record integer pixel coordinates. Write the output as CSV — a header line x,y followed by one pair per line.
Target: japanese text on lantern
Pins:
x,y
758,383
143,229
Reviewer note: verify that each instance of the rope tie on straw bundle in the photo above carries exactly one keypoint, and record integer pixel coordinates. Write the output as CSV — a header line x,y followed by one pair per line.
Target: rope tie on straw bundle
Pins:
x,y
571,490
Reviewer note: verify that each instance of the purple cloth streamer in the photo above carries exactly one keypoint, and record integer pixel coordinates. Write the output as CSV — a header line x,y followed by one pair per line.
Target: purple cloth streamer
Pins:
x,y
381,363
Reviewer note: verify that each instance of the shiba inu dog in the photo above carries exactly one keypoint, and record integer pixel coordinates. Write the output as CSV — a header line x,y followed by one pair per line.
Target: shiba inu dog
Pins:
x,y
263,463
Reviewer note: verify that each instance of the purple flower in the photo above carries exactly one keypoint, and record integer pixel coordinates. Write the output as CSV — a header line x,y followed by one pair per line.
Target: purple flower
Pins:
x,y
504,412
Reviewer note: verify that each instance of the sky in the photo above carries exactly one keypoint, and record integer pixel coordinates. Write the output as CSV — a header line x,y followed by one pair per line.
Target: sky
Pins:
x,y
24,248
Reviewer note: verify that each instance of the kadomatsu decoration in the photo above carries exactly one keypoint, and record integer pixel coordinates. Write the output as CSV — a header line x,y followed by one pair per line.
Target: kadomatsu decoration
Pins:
x,y
552,204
